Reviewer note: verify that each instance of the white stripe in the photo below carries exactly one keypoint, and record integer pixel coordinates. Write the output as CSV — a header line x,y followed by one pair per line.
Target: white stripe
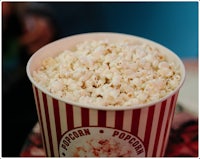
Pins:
x,y
40,120
44,123
142,123
93,117
52,125
35,97
154,129
110,119
175,99
63,116
77,116
127,122
36,103
164,124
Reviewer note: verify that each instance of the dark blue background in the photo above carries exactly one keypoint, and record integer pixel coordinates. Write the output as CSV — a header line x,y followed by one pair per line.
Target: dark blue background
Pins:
x,y
173,24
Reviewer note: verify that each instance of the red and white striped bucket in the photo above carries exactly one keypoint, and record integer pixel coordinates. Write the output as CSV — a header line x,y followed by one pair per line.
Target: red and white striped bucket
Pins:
x,y
71,129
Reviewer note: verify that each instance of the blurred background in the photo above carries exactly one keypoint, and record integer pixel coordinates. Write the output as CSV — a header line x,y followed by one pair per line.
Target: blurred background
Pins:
x,y
27,26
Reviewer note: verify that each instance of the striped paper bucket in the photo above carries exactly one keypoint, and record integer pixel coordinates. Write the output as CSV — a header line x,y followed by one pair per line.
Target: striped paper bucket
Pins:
x,y
72,129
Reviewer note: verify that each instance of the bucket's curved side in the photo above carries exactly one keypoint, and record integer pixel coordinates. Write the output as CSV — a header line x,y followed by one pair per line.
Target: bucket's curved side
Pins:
x,y
150,125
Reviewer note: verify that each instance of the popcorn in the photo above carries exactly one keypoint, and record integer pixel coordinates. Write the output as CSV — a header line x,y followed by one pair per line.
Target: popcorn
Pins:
x,y
105,73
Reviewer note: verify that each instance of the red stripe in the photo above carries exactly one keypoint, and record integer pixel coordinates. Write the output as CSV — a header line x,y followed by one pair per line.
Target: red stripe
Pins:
x,y
135,121
160,121
119,116
57,119
168,126
40,117
101,118
70,116
48,122
85,116
149,126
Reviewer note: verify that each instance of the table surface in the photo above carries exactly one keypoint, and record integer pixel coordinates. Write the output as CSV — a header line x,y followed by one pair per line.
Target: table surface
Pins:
x,y
183,139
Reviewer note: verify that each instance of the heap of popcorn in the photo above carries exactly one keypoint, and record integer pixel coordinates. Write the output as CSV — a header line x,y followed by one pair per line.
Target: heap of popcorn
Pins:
x,y
106,73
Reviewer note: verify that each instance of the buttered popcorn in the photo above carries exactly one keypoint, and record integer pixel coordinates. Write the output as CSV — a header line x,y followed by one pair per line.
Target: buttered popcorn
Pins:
x,y
106,73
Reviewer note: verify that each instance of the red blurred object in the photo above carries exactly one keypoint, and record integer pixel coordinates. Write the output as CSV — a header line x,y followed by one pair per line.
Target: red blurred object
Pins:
x,y
183,139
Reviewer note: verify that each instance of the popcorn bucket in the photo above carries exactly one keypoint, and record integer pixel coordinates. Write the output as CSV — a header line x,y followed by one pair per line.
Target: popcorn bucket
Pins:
x,y
72,129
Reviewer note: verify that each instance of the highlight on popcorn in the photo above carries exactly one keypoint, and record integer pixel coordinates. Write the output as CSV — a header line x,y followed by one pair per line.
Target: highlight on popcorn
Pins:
x,y
107,73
